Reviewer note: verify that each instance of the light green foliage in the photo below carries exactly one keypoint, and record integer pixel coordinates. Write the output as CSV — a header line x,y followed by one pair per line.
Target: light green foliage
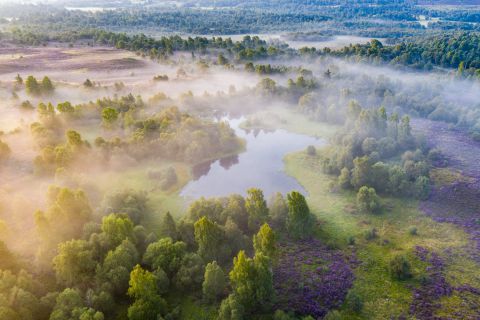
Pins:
x,y
32,86
209,237
109,116
367,200
264,242
300,222
68,210
116,228
256,208
65,107
166,255
360,172
74,265
148,304
251,280
215,282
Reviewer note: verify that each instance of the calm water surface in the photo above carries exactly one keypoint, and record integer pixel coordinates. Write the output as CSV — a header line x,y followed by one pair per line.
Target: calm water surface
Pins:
x,y
261,165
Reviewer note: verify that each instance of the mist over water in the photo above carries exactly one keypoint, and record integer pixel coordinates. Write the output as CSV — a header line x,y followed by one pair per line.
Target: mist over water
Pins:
x,y
261,165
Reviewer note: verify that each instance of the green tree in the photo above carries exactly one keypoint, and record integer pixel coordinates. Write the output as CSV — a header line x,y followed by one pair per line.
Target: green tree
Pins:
x,y
231,309
166,255
215,282
209,237
47,86
109,116
190,275
117,266
74,265
116,228
168,228
361,172
256,208
367,200
32,86
18,79
300,222
264,242
344,179
148,305
278,210
251,280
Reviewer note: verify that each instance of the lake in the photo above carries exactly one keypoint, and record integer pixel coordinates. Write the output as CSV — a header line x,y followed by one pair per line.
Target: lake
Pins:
x,y
261,165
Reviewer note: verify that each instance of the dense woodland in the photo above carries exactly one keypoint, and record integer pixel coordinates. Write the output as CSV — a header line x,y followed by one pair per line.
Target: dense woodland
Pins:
x,y
104,246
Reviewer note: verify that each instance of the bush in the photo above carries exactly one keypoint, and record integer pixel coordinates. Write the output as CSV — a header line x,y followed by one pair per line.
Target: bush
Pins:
x,y
367,200
351,240
413,231
400,268
371,234
354,302
311,151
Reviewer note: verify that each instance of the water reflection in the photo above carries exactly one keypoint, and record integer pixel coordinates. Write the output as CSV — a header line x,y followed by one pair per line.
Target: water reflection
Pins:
x,y
261,165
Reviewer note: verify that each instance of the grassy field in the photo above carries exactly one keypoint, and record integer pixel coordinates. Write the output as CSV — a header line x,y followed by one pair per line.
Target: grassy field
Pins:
x,y
383,297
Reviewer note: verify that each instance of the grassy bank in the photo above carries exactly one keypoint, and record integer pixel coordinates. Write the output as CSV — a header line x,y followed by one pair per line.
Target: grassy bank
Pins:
x,y
383,296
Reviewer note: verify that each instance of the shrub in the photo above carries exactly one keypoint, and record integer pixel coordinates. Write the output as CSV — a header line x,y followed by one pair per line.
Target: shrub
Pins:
x,y
367,200
413,231
371,234
354,302
311,151
400,267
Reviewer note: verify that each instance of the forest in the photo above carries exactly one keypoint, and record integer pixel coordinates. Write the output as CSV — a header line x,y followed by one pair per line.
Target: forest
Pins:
x,y
183,160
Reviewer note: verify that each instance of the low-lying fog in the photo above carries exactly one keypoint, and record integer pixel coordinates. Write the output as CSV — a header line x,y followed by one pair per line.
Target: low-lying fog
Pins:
x,y
214,90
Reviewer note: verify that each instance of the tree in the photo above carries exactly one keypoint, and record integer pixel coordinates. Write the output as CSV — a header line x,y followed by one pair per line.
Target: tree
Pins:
x,y
344,179
168,228
231,309
256,208
278,210
32,86
300,221
109,116
422,187
360,172
166,255
209,237
88,83
18,79
264,242
251,280
148,305
214,284
47,86
117,266
74,265
190,275
367,200
116,228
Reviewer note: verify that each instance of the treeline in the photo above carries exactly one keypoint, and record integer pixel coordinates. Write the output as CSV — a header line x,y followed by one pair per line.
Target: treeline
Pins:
x,y
460,51
109,266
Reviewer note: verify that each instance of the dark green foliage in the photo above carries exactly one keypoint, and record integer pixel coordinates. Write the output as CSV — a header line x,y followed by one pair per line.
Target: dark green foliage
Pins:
x,y
400,268
166,255
168,228
371,234
354,302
